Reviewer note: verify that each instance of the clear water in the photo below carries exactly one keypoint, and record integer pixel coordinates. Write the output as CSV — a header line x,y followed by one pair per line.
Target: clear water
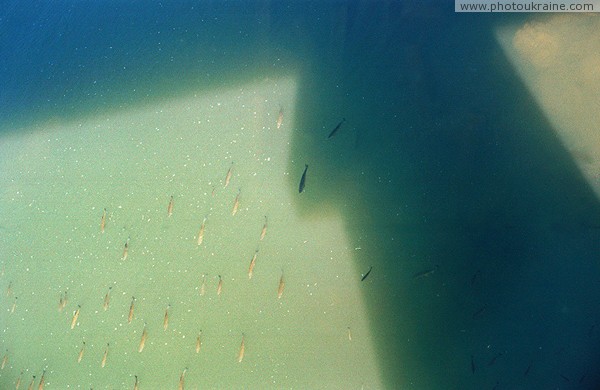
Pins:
x,y
445,163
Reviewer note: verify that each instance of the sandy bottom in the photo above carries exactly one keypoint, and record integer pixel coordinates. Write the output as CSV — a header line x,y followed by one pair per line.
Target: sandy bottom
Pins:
x,y
57,179
558,58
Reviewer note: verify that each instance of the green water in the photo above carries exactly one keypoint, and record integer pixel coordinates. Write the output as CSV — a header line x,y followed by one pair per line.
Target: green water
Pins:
x,y
445,162
131,163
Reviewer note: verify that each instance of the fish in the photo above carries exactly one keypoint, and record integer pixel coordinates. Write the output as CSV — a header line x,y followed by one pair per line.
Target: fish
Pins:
x,y
182,379
198,342
80,356
203,285
228,176
349,334
107,299
42,381
166,319
136,385
264,230
236,203
62,302
75,316
367,274
303,180
103,221
281,286
472,365
426,273
220,285
170,207
9,289
335,129
130,316
252,264
201,233
280,117
479,311
125,250
105,356
493,360
528,368
14,305
18,384
4,360
31,384
143,339
242,348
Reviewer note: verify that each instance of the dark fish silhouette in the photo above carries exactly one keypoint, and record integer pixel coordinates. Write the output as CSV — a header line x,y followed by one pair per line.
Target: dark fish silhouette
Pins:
x,y
367,274
426,273
335,129
303,179
472,365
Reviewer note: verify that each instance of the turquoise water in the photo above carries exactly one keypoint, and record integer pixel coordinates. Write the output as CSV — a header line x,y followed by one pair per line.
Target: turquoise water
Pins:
x,y
444,163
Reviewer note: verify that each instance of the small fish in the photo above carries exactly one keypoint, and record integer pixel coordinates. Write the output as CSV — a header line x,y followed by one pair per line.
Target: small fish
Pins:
x,y
31,384
9,289
203,285
493,360
130,316
242,348
103,221
220,285
136,385
106,300
472,365
14,306
367,274
125,250
280,117
303,180
479,311
42,381
201,233
4,360
143,339
236,203
182,379
18,384
252,264
75,316
63,302
281,286
565,378
166,319
335,129
228,176
349,334
528,368
80,356
198,342
105,356
426,273
264,230
170,207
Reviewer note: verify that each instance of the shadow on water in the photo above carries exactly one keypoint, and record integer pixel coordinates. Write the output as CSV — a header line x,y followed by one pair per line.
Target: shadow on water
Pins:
x,y
444,162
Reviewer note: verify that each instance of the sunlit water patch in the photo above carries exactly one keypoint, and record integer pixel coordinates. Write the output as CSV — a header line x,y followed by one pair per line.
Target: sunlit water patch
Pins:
x,y
61,251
